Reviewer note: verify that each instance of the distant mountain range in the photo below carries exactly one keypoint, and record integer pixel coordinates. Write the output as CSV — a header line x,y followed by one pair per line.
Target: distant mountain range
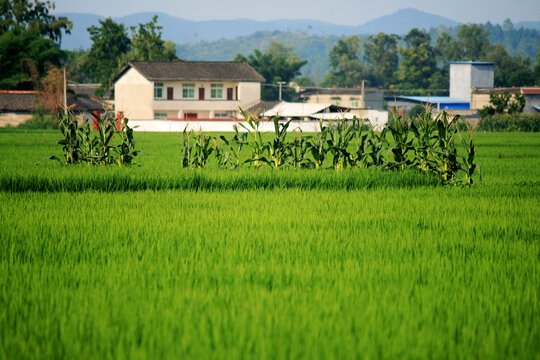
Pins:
x,y
183,31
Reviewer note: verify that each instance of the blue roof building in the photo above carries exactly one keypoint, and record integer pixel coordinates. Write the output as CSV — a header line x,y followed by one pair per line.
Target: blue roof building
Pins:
x,y
437,102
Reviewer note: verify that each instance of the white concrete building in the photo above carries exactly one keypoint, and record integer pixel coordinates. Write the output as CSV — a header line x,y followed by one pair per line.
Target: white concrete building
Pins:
x,y
465,76
186,90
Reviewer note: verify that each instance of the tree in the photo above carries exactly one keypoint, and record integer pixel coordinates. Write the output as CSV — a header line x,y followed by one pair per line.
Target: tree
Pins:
x,y
344,61
447,49
473,41
277,63
147,44
51,89
29,42
109,45
537,66
33,16
25,57
382,56
418,64
503,103
510,70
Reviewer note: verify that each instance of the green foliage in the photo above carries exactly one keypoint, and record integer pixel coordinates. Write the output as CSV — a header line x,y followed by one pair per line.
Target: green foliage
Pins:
x,y
147,44
266,264
473,41
510,70
25,57
510,122
381,54
111,144
346,67
503,103
33,16
277,63
109,45
39,121
421,143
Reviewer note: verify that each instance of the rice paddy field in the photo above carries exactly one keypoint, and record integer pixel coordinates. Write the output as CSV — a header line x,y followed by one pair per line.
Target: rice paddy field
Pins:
x,y
155,261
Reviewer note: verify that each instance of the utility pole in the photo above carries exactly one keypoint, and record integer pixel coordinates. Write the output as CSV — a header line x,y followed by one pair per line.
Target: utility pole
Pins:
x,y
363,103
280,83
65,92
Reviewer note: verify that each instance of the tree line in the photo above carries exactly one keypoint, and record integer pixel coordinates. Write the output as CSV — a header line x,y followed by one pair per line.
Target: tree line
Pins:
x,y
30,54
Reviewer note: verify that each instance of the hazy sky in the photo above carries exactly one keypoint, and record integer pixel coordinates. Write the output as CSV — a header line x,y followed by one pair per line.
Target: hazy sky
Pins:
x,y
350,12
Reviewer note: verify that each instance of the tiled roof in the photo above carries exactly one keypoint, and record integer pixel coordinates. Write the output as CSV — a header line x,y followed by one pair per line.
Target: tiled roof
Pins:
x,y
261,106
25,101
17,101
181,70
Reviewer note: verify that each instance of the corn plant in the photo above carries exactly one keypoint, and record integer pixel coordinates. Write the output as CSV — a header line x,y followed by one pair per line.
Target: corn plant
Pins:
x,y
110,145
300,150
376,147
231,154
318,146
445,154
279,149
341,135
468,165
359,157
187,148
202,149
424,130
403,143
258,146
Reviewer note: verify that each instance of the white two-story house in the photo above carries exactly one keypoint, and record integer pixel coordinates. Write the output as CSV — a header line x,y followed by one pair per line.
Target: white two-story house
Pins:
x,y
186,90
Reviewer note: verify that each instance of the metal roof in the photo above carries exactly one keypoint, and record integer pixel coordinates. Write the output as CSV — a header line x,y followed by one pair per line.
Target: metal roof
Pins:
x,y
301,110
430,99
472,62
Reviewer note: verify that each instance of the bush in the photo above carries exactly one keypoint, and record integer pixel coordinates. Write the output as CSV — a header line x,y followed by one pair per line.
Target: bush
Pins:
x,y
39,121
510,122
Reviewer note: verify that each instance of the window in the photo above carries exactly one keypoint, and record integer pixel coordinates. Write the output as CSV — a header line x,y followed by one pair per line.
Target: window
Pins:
x,y
160,115
221,115
158,90
216,91
354,102
188,91
336,101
